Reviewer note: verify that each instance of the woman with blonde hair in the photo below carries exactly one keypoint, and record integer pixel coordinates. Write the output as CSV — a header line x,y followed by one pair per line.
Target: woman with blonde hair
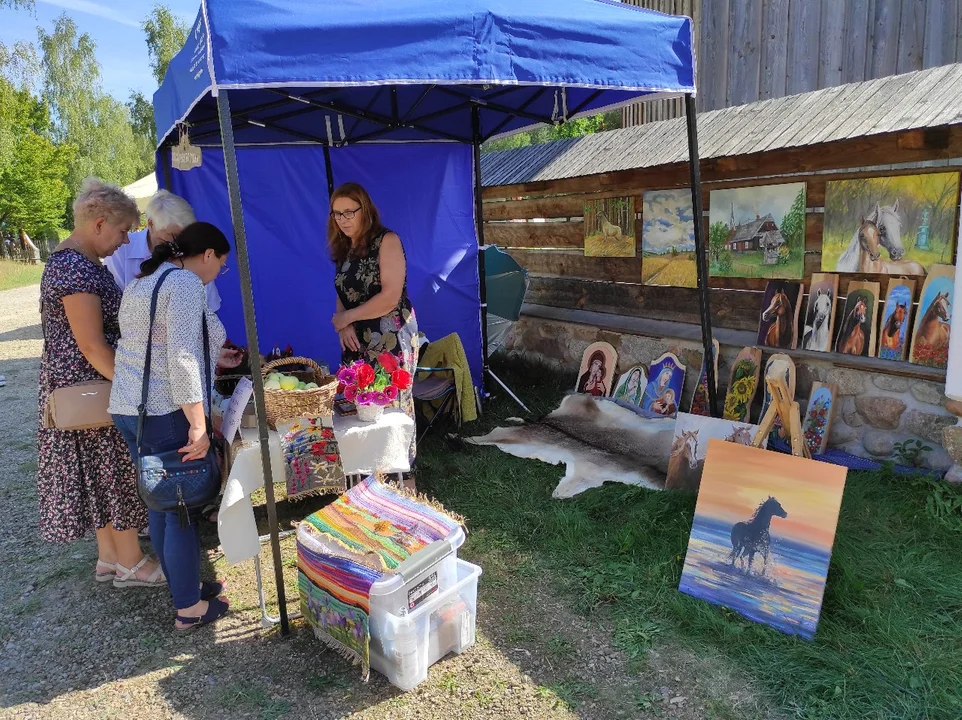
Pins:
x,y
85,478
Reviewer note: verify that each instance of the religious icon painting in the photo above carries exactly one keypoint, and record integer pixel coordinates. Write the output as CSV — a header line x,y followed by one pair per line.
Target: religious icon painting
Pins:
x,y
933,321
817,423
631,386
597,370
666,378
778,325
742,384
856,329
699,401
893,341
818,325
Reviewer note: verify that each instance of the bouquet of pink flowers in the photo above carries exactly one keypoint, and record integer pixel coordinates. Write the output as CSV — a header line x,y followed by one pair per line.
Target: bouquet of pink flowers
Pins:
x,y
378,384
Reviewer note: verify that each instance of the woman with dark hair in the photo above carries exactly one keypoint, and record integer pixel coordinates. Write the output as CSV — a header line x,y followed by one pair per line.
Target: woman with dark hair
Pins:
x,y
592,381
178,393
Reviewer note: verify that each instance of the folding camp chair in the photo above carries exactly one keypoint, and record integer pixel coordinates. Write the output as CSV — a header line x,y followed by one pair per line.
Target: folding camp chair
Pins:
x,y
435,394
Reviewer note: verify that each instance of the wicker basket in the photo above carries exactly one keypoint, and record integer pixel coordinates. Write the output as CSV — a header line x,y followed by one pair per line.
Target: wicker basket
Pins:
x,y
281,405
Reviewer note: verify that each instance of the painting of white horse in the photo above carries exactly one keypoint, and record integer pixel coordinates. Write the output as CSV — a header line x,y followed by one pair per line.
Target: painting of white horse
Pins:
x,y
819,323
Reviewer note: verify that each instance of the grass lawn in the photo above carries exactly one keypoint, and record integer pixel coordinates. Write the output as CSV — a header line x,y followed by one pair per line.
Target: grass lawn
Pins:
x,y
15,274
751,264
889,644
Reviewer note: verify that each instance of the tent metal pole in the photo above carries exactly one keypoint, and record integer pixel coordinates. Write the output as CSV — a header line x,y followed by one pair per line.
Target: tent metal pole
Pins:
x,y
250,324
701,253
329,170
165,167
479,224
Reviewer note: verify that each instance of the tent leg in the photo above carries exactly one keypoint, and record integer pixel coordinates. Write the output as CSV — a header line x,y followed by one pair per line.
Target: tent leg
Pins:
x,y
479,225
329,171
701,253
250,324
508,390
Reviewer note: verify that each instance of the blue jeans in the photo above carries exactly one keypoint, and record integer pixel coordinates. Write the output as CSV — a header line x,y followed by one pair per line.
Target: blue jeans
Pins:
x,y
177,548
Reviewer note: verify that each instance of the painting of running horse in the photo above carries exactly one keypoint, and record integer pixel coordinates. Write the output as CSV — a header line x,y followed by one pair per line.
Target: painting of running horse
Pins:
x,y
687,457
894,329
933,323
890,225
819,320
778,326
856,332
762,536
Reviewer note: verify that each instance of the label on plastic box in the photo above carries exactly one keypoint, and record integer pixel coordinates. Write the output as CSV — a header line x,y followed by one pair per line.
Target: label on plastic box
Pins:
x,y
422,591
467,634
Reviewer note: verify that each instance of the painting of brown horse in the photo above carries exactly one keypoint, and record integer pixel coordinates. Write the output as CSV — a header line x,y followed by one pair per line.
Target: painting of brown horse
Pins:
x,y
933,326
856,335
778,326
687,457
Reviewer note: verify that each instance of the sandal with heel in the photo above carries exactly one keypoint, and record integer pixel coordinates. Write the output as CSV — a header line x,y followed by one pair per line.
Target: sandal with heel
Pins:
x,y
128,578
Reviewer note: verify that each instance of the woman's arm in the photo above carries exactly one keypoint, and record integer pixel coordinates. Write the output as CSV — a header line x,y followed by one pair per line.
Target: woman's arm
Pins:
x,y
393,269
86,317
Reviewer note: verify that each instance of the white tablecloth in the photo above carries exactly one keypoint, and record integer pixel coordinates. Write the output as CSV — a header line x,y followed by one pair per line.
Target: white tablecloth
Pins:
x,y
364,448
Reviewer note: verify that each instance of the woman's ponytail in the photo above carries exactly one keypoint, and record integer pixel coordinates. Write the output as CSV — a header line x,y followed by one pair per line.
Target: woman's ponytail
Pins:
x,y
163,252
195,239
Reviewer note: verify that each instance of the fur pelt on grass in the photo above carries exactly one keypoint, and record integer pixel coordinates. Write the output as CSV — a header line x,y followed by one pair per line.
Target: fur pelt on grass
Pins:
x,y
598,441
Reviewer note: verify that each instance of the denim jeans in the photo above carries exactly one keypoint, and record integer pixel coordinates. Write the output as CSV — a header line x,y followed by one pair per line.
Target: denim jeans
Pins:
x,y
177,548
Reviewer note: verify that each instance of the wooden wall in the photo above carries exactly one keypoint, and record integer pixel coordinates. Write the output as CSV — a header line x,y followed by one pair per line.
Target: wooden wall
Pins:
x,y
748,50
552,247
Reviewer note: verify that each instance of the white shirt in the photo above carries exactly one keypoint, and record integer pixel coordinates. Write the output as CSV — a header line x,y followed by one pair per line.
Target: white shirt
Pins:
x,y
124,265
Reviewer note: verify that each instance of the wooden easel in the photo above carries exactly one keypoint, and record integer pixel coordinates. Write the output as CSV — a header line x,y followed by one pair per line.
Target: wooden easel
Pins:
x,y
782,406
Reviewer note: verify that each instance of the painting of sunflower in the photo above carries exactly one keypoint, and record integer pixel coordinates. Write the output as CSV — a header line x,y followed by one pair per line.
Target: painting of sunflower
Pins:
x,y
742,385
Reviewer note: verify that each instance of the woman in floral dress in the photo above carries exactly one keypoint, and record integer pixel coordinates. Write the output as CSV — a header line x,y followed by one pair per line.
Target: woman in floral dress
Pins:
x,y
374,314
85,478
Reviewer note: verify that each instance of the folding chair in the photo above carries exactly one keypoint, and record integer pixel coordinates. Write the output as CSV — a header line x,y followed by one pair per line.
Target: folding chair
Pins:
x,y
434,387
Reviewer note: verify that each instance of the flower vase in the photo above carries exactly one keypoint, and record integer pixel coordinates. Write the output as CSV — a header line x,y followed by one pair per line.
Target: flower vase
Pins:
x,y
369,413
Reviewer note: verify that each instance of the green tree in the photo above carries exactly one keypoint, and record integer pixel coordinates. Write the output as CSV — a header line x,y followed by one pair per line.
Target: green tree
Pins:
x,y
793,224
166,35
17,4
717,237
549,133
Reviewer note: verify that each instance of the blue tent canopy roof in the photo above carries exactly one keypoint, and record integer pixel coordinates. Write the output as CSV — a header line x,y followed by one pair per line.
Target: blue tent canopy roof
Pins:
x,y
413,70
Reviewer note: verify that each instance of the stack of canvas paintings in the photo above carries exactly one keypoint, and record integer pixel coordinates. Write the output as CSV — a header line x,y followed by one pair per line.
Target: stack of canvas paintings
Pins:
x,y
610,227
933,321
778,325
631,386
896,315
762,536
668,239
819,322
758,232
890,225
666,378
856,326
597,370
692,433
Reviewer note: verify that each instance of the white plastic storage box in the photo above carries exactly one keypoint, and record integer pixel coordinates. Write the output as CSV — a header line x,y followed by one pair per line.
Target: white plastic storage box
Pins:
x,y
404,645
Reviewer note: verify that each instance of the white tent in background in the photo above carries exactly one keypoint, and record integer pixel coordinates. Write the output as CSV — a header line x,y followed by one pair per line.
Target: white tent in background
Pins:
x,y
142,190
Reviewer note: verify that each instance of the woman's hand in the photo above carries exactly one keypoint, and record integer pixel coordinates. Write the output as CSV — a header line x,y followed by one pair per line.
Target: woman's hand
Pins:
x,y
229,358
197,443
341,320
348,338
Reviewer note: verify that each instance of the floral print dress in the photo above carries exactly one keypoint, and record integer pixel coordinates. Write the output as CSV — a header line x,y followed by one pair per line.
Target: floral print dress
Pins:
x,y
85,478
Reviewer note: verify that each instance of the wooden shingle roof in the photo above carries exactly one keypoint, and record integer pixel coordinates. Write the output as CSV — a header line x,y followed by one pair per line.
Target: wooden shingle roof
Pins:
x,y
924,99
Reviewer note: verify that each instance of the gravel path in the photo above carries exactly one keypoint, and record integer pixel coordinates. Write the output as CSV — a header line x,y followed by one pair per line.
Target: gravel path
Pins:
x,y
71,648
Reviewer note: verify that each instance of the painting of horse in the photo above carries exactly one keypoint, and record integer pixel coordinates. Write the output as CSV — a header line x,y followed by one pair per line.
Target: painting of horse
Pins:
x,y
933,323
692,433
819,321
856,333
762,536
778,326
894,328
610,227
890,225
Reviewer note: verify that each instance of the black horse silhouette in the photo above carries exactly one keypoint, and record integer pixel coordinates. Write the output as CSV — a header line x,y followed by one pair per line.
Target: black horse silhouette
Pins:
x,y
753,537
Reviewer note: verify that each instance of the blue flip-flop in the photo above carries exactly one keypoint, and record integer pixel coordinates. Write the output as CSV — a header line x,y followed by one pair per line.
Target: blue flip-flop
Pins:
x,y
216,608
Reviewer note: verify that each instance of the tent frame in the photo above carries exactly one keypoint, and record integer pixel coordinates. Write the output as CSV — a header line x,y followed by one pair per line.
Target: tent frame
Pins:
x,y
228,121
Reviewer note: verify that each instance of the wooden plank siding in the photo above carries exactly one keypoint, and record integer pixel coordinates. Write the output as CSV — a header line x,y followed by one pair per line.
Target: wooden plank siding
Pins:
x,y
750,50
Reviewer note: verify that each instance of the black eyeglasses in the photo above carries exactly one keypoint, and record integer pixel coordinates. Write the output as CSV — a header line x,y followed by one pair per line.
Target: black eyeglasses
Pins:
x,y
346,215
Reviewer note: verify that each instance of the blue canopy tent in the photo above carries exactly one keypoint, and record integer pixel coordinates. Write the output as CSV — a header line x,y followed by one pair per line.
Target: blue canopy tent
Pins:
x,y
295,95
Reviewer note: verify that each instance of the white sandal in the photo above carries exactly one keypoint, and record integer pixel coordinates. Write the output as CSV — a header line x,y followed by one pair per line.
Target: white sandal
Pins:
x,y
105,575
128,578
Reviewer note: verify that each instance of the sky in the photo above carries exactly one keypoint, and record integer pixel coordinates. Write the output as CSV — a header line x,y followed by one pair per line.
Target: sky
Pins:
x,y
114,26
668,221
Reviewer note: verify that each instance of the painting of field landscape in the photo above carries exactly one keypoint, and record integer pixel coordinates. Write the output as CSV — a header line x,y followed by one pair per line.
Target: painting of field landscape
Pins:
x,y
914,214
762,536
668,239
610,227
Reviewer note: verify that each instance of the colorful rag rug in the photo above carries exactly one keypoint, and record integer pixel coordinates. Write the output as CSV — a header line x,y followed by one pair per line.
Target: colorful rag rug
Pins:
x,y
311,457
343,549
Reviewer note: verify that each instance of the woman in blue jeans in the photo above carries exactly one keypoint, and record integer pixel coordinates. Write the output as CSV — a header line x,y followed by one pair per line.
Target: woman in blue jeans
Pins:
x,y
177,394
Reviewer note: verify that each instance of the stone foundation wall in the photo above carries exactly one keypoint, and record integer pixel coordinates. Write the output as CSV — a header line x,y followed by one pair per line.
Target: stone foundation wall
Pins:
x,y
874,412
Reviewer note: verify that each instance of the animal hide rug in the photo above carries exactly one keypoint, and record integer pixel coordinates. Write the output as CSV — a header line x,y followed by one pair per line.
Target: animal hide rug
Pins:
x,y
598,440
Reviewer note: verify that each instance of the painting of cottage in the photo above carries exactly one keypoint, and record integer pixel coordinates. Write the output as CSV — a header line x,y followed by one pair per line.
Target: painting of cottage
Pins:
x,y
758,232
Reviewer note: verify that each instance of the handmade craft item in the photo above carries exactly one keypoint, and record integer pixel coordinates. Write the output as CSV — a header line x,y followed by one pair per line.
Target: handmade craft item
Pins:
x,y
699,400
631,385
343,549
818,418
783,409
663,393
778,324
597,370
762,536
818,327
609,227
668,239
742,384
933,321
311,457
856,329
692,433
894,327
778,432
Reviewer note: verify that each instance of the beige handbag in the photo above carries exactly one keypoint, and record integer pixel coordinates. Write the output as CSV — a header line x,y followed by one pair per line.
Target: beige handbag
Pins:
x,y
79,407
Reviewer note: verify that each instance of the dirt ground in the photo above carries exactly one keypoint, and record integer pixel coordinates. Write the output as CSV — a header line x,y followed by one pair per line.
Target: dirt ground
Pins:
x,y
72,648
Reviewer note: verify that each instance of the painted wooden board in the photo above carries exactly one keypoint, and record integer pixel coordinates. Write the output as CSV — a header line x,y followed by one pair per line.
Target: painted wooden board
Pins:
x,y
817,423
778,323
742,384
666,378
631,385
692,433
597,370
699,401
896,319
856,326
933,320
778,431
818,323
